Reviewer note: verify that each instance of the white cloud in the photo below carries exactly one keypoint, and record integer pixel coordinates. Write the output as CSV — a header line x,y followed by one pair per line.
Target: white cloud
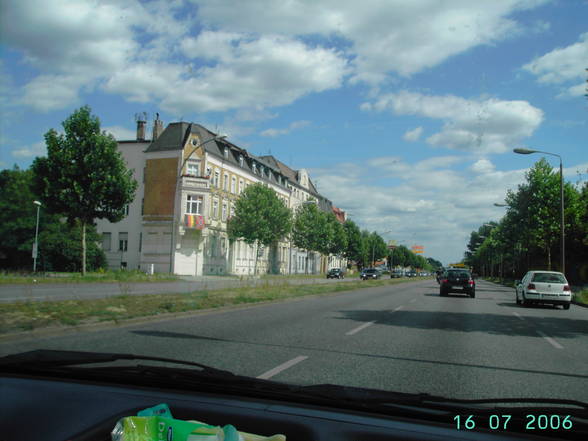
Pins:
x,y
37,149
482,126
413,135
483,166
383,35
563,65
121,133
425,202
272,133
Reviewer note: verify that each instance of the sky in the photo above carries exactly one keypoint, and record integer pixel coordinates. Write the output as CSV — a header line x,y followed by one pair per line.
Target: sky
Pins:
x,y
405,113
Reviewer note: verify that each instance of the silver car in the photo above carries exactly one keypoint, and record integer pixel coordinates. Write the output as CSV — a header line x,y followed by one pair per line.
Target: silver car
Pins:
x,y
543,287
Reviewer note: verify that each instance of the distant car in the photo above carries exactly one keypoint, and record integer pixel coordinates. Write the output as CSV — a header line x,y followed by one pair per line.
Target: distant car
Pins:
x,y
548,287
396,274
457,280
411,274
369,273
335,273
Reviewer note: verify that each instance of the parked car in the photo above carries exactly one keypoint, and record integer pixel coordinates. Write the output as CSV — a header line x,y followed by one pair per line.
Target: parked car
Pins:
x,y
457,280
548,287
369,273
411,274
335,273
396,274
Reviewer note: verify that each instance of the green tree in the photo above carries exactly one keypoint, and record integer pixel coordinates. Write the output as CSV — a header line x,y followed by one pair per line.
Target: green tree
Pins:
x,y
84,176
354,246
337,236
59,247
310,230
261,218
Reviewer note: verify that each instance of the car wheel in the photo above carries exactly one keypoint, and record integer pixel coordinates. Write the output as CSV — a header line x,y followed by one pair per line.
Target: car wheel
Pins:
x,y
566,306
524,301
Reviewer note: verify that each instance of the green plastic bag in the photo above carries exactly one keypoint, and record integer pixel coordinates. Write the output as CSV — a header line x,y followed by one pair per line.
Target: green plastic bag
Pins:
x,y
157,424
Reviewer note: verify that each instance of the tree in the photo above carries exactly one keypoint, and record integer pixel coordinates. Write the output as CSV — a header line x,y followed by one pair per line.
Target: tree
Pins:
x,y
83,177
311,231
337,236
261,217
354,246
59,247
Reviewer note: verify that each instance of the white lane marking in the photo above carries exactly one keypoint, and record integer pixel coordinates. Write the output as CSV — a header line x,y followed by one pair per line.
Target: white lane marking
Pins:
x,y
282,367
398,308
518,315
550,340
359,328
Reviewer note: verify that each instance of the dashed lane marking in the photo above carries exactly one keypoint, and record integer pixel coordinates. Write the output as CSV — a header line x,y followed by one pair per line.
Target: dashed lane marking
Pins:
x,y
269,374
359,328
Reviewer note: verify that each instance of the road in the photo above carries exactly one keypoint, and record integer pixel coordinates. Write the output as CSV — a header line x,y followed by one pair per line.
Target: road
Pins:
x,y
399,337
74,291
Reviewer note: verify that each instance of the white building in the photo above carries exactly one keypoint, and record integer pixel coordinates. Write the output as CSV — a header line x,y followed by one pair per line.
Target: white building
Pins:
x,y
189,181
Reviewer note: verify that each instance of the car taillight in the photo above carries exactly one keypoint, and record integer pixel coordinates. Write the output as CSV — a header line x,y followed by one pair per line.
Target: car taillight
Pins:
x,y
445,281
471,282
567,288
531,286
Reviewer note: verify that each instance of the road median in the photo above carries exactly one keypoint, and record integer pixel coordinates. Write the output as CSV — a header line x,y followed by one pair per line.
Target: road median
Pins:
x,y
27,316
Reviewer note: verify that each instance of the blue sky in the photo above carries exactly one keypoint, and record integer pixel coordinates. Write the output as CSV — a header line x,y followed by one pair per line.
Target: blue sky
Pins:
x,y
405,113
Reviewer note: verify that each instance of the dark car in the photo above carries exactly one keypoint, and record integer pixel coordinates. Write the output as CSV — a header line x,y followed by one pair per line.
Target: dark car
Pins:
x,y
396,274
369,273
457,280
335,273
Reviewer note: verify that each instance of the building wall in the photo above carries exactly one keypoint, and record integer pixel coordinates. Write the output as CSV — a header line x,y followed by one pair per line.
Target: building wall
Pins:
x,y
130,225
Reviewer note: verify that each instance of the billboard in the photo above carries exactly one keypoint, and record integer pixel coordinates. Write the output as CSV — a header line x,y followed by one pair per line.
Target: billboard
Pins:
x,y
418,249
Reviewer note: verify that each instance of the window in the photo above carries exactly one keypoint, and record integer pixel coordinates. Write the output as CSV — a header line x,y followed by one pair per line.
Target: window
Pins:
x,y
193,167
194,204
123,241
241,187
241,160
208,170
224,213
232,212
254,168
215,208
127,210
106,239
233,185
226,152
140,241
142,206
226,182
216,181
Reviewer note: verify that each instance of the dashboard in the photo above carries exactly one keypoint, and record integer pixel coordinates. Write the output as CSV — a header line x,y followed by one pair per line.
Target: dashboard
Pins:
x,y
34,408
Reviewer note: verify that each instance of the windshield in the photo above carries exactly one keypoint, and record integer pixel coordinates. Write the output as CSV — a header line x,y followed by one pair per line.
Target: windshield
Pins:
x,y
173,174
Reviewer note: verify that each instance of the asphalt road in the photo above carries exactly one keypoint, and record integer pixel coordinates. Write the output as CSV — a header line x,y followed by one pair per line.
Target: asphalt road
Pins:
x,y
401,337
69,291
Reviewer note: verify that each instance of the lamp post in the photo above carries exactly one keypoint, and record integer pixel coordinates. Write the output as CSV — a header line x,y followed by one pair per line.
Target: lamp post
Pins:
x,y
36,244
173,222
561,188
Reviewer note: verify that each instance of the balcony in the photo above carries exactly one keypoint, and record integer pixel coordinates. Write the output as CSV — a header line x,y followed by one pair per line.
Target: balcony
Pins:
x,y
193,182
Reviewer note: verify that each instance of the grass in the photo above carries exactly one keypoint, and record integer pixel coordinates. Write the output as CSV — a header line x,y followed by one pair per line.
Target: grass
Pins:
x,y
27,315
581,297
100,277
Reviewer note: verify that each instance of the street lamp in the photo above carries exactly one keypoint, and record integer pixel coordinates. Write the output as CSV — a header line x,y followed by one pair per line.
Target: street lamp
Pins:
x,y
173,223
36,244
561,188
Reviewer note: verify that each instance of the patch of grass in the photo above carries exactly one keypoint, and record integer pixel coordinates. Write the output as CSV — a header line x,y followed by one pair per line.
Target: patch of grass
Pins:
x,y
93,277
28,315
581,297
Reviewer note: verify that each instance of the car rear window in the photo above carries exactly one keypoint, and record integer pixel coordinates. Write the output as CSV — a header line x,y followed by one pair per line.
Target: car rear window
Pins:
x,y
458,274
548,278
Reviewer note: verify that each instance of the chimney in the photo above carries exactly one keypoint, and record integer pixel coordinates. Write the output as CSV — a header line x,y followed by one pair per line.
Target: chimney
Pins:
x,y
141,123
157,127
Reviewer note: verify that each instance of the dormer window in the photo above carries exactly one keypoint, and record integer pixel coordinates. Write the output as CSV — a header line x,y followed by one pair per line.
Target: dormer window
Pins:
x,y
241,159
226,152
254,168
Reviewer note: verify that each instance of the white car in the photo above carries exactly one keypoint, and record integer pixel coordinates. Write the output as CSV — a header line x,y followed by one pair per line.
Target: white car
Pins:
x,y
543,287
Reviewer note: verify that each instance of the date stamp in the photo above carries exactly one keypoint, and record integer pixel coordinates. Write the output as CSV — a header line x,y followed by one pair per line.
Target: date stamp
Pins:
x,y
501,422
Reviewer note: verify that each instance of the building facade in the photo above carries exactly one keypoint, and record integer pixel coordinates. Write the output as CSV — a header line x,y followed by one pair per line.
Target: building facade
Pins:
x,y
189,180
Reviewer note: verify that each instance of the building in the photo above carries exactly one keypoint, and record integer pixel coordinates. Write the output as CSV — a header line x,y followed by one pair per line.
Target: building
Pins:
x,y
189,180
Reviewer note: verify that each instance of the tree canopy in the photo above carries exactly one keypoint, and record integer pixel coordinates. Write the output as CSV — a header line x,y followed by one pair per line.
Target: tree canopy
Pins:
x,y
83,177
